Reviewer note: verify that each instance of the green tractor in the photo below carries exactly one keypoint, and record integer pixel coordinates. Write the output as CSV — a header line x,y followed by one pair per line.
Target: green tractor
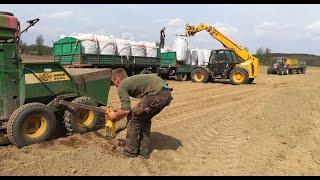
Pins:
x,y
36,97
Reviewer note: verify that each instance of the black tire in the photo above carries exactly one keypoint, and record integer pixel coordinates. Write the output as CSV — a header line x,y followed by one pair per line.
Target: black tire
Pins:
x,y
181,77
250,80
286,71
199,75
269,71
163,73
72,115
61,130
241,72
281,72
19,131
165,76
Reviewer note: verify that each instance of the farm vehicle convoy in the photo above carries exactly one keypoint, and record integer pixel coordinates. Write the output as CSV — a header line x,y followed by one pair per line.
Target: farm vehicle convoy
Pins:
x,y
234,63
73,90
285,66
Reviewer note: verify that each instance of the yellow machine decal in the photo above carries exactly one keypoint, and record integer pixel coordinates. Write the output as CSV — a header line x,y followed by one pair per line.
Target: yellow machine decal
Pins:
x,y
46,77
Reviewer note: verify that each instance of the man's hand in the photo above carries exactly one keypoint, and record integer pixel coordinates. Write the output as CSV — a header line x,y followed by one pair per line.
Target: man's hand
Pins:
x,y
112,115
117,115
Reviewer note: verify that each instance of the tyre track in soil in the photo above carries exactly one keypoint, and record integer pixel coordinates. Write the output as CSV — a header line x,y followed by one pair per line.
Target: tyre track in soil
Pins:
x,y
229,141
297,135
201,141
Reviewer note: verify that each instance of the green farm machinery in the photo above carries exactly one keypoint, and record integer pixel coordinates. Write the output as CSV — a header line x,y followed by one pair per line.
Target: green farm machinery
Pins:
x,y
36,97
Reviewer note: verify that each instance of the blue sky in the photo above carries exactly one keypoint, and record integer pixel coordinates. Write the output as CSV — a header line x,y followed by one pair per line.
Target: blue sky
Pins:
x,y
283,28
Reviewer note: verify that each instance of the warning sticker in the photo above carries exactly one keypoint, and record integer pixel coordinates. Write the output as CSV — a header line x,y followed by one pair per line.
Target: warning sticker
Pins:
x,y
46,77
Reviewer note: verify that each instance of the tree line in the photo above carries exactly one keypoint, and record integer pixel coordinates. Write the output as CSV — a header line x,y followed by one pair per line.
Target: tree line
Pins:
x,y
38,48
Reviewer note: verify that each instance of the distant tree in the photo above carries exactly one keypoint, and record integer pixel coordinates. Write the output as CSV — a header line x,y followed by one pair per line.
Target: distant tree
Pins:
x,y
264,55
260,51
267,56
23,46
259,54
39,44
268,51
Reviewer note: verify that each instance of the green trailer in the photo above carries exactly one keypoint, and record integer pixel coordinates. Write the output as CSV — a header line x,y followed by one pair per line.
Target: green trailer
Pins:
x,y
68,52
33,96
169,67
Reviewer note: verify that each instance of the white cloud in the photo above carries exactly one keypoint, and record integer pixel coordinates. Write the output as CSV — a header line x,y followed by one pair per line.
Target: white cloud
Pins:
x,y
175,26
313,30
61,14
314,27
268,27
176,22
225,29
163,20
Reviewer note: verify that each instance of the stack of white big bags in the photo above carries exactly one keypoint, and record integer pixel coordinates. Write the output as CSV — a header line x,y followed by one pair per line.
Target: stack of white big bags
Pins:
x,y
151,49
200,57
138,49
189,55
107,45
180,46
88,42
206,54
124,48
110,45
194,57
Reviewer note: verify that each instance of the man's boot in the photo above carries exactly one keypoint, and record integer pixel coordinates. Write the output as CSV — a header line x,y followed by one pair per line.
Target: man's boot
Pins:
x,y
130,155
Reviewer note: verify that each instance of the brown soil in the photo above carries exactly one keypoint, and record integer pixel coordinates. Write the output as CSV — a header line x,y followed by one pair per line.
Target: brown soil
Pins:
x,y
36,58
267,128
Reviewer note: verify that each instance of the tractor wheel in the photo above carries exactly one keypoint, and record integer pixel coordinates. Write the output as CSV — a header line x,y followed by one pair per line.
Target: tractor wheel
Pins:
x,y
286,71
301,71
78,120
268,71
61,130
30,124
238,76
250,80
199,75
181,77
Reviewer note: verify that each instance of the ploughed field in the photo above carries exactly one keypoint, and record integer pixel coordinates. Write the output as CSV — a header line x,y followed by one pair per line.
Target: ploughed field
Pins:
x,y
271,127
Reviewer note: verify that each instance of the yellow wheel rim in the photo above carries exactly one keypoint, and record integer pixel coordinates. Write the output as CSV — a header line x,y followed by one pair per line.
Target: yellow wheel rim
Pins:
x,y
238,77
198,76
85,117
34,126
